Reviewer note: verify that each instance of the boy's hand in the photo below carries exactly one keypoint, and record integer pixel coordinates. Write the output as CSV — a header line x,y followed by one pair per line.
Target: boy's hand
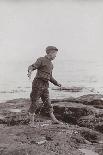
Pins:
x,y
59,85
29,74
30,68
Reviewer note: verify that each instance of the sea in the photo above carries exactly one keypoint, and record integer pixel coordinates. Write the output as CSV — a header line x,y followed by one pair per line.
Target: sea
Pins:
x,y
85,74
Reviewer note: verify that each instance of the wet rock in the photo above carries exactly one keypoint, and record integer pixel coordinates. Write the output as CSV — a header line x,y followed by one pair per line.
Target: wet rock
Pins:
x,y
17,101
70,99
92,122
99,126
14,116
98,103
69,89
90,99
90,135
71,113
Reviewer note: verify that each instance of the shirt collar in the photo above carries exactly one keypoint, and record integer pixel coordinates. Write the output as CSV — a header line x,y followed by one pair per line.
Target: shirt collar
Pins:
x,y
47,57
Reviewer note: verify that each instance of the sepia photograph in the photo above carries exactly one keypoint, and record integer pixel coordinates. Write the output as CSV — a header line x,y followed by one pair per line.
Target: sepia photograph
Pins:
x,y
51,77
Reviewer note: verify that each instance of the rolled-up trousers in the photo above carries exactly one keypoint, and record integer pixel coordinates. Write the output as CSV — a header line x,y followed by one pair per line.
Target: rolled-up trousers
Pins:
x,y
40,90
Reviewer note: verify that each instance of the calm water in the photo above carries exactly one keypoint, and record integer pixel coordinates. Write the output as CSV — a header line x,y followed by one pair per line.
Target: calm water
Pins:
x,y
14,82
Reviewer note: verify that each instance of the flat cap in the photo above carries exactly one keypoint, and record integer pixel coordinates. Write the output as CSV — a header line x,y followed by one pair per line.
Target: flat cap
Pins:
x,y
50,48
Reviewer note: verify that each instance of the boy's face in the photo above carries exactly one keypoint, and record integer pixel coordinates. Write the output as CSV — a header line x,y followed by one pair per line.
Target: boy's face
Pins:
x,y
53,55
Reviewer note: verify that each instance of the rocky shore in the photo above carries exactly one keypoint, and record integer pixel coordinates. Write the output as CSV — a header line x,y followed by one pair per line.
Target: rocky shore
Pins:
x,y
81,133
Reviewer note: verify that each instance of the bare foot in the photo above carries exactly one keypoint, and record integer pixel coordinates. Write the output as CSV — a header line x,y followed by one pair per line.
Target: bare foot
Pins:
x,y
57,122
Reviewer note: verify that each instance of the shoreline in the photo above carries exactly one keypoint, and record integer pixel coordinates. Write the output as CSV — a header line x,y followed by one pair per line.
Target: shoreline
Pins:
x,y
55,93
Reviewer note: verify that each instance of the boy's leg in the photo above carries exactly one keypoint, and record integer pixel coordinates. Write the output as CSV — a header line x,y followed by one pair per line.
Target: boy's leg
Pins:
x,y
47,102
34,96
31,116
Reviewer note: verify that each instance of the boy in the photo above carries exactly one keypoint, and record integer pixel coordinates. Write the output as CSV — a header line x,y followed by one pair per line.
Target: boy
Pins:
x,y
40,83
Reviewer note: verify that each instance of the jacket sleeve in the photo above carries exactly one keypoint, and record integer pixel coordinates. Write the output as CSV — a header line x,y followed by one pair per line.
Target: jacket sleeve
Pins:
x,y
52,80
36,65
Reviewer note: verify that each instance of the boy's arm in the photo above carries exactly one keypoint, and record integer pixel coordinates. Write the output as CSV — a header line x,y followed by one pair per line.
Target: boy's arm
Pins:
x,y
52,80
34,67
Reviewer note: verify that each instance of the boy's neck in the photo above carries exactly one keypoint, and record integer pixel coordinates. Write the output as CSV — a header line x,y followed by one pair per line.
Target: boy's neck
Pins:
x,y
48,57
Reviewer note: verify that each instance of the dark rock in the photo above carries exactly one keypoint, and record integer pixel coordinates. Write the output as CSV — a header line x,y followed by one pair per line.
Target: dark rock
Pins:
x,y
69,89
97,103
89,99
75,112
71,114
90,135
20,100
92,122
99,127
